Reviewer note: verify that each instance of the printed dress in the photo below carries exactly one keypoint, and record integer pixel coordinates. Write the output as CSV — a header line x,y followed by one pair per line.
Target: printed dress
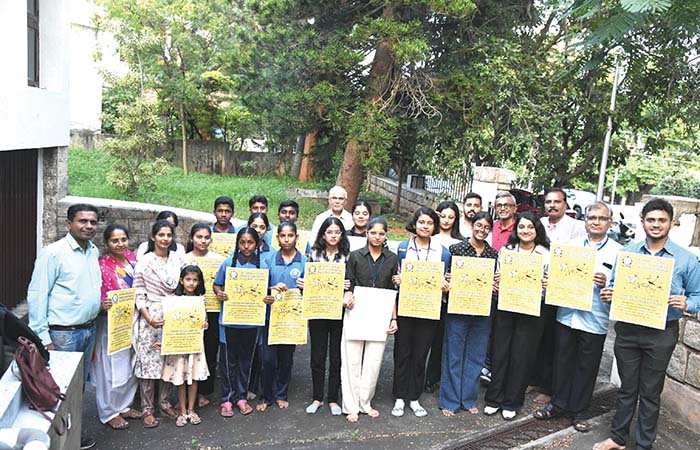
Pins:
x,y
181,369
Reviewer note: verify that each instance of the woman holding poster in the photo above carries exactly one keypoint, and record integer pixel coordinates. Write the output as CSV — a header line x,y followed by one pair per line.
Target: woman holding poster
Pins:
x,y
156,275
331,246
415,335
516,335
466,336
115,383
371,266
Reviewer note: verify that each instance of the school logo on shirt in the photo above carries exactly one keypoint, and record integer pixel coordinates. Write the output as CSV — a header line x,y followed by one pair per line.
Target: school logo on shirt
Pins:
x,y
294,273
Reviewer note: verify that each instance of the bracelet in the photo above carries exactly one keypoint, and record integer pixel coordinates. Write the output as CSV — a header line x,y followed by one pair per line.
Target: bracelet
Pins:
x,y
393,318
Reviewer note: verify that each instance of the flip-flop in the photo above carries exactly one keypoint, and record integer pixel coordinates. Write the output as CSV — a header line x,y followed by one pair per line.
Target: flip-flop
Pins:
x,y
336,410
170,412
118,423
313,407
226,409
181,421
132,414
194,418
244,407
152,424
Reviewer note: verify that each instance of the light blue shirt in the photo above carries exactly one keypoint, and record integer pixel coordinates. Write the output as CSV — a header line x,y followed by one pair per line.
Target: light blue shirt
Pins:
x,y
686,274
65,286
596,320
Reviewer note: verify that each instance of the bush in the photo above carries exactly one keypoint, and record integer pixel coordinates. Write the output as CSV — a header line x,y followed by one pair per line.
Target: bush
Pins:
x,y
683,186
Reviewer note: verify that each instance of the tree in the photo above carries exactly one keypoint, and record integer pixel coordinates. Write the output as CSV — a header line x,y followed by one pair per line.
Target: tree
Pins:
x,y
134,152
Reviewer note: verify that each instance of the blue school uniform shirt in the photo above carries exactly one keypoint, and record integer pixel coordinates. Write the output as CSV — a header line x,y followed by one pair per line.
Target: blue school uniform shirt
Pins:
x,y
220,280
282,272
266,251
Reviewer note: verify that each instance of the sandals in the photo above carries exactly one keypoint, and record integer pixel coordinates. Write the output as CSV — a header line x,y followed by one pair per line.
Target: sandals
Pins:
x,y
118,423
582,426
152,423
181,421
194,418
131,414
548,412
313,407
244,407
170,412
226,409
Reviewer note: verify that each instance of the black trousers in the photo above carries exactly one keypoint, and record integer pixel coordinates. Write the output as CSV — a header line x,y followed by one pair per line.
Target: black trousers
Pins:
x,y
236,359
515,338
411,346
433,371
211,348
325,340
576,365
543,371
642,356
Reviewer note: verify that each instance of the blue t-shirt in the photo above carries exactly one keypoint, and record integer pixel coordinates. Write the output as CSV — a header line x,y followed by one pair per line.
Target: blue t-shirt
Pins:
x,y
220,280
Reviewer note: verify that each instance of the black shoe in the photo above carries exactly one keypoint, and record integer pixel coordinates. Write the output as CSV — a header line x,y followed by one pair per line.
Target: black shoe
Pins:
x,y
548,412
87,442
581,425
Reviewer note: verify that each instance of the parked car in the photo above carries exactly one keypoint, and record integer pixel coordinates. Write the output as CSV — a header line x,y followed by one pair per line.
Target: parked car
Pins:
x,y
527,201
579,200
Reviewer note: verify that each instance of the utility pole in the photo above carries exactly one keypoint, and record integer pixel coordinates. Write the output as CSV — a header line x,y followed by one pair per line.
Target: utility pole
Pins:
x,y
608,134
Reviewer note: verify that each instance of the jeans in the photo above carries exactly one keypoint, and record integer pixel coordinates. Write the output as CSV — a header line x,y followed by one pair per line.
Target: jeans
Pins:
x,y
80,340
463,356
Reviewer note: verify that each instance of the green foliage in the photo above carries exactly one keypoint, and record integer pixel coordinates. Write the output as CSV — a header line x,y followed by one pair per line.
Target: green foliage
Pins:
x,y
118,91
135,163
685,186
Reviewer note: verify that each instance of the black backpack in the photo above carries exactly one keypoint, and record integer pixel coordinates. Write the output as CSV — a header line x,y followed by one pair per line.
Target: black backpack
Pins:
x,y
11,329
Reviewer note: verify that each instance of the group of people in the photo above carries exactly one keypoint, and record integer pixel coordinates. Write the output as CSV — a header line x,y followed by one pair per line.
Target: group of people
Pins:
x,y
557,352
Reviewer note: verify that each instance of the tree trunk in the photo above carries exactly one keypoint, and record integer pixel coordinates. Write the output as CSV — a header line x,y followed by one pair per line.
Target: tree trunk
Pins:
x,y
399,189
184,138
350,173
306,171
298,154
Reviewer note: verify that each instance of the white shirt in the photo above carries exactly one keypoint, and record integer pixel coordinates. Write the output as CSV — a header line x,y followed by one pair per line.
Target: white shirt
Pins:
x,y
564,231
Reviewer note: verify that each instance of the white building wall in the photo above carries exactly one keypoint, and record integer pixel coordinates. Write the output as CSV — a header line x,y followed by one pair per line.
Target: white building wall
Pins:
x,y
34,117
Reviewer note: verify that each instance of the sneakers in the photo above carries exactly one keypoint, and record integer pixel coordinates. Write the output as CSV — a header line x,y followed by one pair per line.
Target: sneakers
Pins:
x,y
490,410
485,375
508,414
397,410
87,442
418,410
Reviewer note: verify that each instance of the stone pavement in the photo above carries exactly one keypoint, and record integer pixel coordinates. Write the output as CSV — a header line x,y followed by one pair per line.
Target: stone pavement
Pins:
x,y
294,429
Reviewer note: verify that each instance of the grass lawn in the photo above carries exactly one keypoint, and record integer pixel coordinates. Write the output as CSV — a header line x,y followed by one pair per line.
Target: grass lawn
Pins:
x,y
87,171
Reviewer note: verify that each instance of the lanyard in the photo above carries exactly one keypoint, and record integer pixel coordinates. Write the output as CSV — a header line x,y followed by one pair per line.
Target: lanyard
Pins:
x,y
415,247
374,275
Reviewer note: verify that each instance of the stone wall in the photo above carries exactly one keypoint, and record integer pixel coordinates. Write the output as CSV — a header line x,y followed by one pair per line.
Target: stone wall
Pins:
x,y
681,395
136,217
218,157
54,172
411,199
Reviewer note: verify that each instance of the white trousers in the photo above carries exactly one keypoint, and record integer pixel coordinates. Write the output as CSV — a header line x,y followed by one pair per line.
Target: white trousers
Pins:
x,y
360,365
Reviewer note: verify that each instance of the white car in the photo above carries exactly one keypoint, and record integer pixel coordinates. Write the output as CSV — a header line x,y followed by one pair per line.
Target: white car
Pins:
x,y
579,200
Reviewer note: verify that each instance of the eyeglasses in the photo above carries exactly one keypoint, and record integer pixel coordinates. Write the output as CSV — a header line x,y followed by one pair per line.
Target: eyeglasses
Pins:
x,y
480,227
597,218
504,205
333,232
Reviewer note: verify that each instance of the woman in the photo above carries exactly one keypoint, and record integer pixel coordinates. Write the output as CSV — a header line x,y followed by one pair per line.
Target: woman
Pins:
x,y
260,223
448,213
515,336
331,246
466,336
197,248
413,340
113,376
371,266
178,248
361,214
156,275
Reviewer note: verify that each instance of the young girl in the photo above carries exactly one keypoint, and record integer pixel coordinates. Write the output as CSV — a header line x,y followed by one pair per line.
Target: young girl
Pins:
x,y
413,340
238,344
331,246
260,223
198,247
516,336
286,266
185,370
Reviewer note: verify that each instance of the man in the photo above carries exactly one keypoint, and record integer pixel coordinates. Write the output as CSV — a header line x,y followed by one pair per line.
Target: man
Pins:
x,y
64,293
505,210
559,226
643,353
223,211
580,335
471,207
337,197
257,204
288,211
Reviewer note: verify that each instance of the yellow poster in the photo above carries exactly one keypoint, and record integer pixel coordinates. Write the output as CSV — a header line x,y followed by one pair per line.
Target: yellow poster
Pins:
x,y
223,243
641,291
183,318
520,289
420,293
286,324
471,286
571,271
119,320
209,266
301,241
246,289
323,290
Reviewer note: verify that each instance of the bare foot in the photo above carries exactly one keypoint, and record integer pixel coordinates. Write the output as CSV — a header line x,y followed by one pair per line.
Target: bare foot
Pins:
x,y
608,444
282,404
250,396
473,410
542,399
202,401
353,418
530,389
448,413
261,407
373,413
